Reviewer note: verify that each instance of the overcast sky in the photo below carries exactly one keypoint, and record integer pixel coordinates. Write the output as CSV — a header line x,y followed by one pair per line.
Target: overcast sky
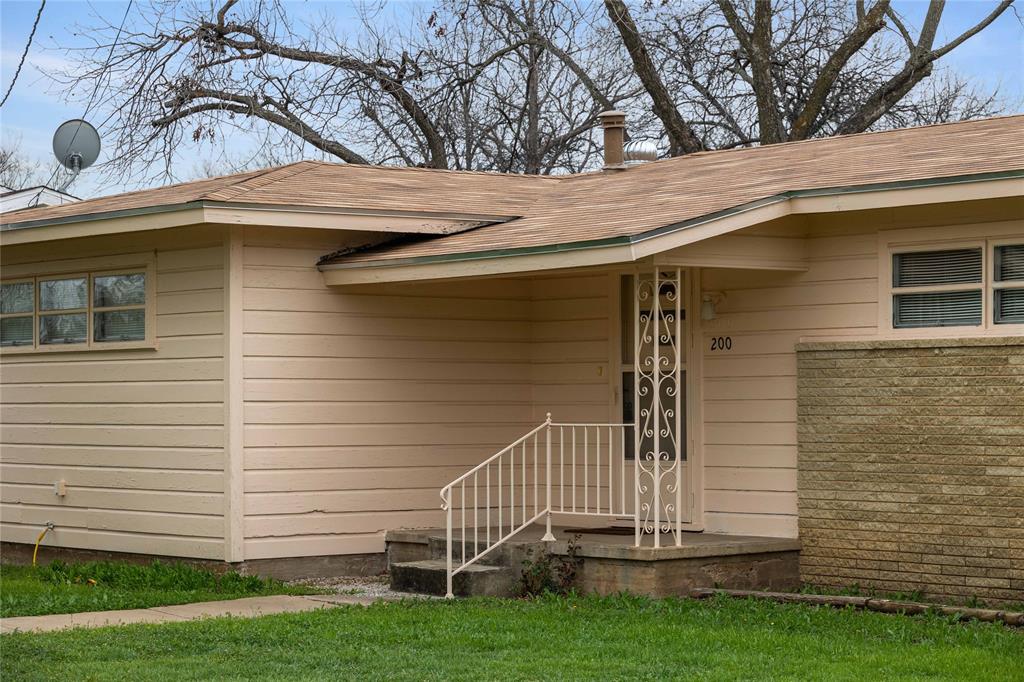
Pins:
x,y
33,112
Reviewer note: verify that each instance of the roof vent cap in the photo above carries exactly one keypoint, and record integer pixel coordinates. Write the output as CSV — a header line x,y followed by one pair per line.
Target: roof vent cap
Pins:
x,y
640,151
614,124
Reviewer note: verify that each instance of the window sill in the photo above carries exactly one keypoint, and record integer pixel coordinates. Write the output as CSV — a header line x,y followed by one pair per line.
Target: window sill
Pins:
x,y
962,332
1013,335
79,348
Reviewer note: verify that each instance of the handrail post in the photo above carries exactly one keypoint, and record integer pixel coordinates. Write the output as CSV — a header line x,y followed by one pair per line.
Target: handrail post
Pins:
x,y
548,536
449,594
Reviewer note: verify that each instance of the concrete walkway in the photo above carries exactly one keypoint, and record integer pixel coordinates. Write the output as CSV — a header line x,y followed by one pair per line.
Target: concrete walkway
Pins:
x,y
242,608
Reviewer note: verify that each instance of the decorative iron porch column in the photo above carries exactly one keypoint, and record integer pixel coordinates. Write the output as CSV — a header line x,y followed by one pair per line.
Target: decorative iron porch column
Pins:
x,y
659,390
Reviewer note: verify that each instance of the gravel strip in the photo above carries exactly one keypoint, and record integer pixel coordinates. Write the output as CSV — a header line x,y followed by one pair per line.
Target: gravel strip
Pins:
x,y
364,586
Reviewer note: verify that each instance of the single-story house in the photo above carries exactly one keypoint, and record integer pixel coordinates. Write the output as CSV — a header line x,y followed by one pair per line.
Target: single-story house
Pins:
x,y
818,342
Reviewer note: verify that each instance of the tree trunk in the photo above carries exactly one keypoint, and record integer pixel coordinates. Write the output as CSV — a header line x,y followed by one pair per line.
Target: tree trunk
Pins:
x,y
681,137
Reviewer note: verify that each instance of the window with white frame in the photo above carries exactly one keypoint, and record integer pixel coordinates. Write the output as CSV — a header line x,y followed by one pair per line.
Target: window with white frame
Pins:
x,y
949,287
82,310
1008,284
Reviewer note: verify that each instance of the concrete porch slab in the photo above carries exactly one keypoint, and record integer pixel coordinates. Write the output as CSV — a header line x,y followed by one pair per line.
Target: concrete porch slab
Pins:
x,y
609,562
615,546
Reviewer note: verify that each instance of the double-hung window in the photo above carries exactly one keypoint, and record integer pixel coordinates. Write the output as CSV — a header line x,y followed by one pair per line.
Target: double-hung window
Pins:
x,y
971,286
77,311
1008,284
119,307
63,310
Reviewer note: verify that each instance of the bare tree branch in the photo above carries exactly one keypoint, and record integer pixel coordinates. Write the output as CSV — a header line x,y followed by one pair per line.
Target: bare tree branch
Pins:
x,y
918,66
249,107
867,25
389,83
682,139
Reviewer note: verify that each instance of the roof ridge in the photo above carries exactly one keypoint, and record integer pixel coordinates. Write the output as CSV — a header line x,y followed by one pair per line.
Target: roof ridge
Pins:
x,y
454,171
262,178
812,140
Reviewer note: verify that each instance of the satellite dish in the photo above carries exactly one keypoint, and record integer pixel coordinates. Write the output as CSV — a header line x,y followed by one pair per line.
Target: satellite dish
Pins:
x,y
76,144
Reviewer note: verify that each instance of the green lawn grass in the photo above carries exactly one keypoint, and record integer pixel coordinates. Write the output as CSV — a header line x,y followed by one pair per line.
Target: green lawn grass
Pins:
x,y
548,638
108,585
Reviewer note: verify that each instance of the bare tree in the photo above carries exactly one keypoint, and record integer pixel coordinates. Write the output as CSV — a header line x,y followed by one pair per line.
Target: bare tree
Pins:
x,y
514,85
774,71
17,170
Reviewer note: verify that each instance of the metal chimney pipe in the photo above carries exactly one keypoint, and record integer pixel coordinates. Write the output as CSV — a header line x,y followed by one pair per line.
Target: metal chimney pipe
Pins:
x,y
614,124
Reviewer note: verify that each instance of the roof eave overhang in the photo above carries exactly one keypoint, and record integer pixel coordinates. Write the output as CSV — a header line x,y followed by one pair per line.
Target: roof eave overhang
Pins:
x,y
628,249
213,212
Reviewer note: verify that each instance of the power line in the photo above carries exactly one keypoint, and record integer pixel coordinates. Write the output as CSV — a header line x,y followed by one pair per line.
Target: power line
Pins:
x,y
24,54
92,97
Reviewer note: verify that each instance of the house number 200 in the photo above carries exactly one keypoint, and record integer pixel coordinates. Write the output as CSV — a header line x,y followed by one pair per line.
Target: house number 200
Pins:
x,y
721,343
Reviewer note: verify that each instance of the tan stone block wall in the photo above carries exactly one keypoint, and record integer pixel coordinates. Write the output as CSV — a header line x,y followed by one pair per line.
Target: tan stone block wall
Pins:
x,y
911,467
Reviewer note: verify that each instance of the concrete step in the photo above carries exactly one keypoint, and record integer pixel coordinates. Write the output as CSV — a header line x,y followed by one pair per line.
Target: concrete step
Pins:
x,y
430,577
438,548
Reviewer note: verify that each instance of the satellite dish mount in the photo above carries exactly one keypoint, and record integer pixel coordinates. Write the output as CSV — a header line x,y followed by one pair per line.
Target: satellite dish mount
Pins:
x,y
76,144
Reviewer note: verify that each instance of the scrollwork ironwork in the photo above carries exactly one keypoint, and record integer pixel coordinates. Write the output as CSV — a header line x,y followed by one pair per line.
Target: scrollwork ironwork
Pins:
x,y
659,391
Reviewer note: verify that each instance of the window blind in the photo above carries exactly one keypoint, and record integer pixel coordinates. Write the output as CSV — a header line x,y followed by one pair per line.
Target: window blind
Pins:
x,y
54,329
1010,263
925,268
16,331
119,325
937,309
1009,306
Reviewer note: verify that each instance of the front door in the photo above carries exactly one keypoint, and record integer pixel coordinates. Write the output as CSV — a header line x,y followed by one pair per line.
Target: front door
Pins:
x,y
654,343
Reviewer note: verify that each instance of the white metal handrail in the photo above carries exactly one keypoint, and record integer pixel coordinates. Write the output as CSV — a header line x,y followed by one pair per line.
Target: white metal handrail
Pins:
x,y
591,478
494,467
592,461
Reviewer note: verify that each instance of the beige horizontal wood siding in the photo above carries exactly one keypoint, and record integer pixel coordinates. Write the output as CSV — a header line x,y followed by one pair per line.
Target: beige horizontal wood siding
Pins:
x,y
571,347
573,379
361,403
750,415
137,435
750,439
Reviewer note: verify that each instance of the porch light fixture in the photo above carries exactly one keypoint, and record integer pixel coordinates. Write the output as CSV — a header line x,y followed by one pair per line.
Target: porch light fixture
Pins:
x,y
708,302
